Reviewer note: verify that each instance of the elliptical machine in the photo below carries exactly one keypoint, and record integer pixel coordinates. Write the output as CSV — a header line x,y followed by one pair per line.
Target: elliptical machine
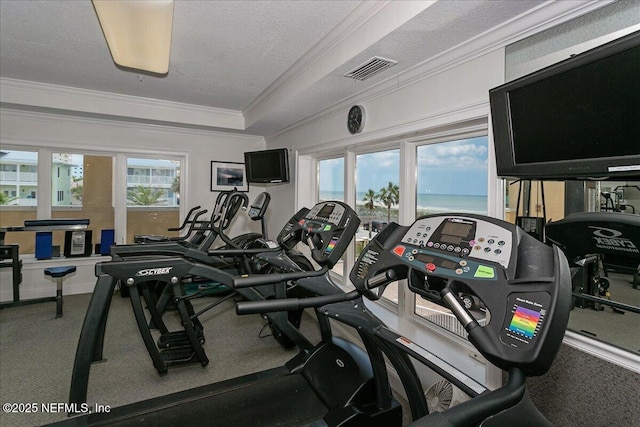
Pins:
x,y
328,227
195,225
225,209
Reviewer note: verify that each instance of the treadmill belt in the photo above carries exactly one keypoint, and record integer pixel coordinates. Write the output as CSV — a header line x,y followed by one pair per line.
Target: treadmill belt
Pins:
x,y
282,401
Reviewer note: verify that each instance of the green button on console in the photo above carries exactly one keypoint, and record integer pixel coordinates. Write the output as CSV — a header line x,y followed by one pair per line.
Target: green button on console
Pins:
x,y
484,272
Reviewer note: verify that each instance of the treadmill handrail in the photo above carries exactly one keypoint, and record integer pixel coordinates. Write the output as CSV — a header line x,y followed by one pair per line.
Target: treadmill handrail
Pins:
x,y
291,304
249,281
238,252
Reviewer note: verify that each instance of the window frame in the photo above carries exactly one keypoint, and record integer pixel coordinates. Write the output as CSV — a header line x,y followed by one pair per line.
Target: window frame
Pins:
x,y
45,205
401,317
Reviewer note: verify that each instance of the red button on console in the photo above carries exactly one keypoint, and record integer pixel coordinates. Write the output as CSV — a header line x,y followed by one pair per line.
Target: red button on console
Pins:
x,y
399,250
431,267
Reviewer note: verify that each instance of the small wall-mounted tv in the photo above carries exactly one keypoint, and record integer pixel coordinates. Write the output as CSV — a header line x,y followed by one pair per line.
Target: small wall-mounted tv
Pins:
x,y
267,166
577,119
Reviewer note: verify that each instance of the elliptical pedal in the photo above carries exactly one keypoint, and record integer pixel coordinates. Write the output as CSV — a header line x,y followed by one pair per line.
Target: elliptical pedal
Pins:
x,y
181,356
178,339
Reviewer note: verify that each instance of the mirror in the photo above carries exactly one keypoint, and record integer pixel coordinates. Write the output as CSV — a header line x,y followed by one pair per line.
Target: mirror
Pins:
x,y
606,303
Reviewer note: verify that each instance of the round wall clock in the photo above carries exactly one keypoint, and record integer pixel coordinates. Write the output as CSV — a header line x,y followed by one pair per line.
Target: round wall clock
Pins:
x,y
355,119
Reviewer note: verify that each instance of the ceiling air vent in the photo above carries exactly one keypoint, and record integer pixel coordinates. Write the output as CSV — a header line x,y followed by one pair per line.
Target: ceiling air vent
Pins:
x,y
370,68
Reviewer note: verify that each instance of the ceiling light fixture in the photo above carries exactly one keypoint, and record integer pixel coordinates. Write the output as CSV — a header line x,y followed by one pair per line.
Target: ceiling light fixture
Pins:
x,y
138,32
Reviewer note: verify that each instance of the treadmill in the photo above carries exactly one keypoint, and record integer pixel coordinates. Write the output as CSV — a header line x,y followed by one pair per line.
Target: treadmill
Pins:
x,y
525,284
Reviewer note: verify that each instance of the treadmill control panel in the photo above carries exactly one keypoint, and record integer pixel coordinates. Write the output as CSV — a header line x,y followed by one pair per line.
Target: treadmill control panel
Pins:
x,y
259,206
523,283
327,228
461,237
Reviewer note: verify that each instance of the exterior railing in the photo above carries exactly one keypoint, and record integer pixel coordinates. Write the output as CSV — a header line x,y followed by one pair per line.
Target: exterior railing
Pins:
x,y
22,177
142,179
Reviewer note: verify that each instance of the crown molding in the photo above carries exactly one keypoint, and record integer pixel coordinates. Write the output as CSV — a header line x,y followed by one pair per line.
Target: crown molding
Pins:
x,y
32,94
51,117
367,23
545,16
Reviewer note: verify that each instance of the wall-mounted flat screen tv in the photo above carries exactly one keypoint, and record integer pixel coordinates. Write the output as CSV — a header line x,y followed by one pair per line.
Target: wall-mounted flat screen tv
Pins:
x,y
267,166
577,119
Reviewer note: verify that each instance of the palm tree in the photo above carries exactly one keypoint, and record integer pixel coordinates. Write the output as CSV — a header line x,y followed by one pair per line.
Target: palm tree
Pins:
x,y
144,196
5,199
175,185
77,192
369,198
77,189
390,196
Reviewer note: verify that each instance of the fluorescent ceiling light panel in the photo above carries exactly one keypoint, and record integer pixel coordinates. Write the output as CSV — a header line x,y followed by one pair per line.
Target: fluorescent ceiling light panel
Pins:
x,y
138,32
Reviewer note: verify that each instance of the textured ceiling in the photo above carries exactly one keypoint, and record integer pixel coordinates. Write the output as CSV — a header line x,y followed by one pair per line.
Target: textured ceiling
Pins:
x,y
275,62
223,53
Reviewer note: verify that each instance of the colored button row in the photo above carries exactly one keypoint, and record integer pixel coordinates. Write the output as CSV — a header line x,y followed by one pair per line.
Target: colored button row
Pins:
x,y
489,241
449,248
487,249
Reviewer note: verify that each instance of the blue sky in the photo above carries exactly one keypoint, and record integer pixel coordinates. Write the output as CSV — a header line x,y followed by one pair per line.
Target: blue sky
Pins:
x,y
456,167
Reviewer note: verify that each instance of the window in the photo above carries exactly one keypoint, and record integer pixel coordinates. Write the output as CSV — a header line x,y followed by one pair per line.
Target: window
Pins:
x,y
67,188
153,195
19,177
451,177
331,187
83,188
377,199
331,179
18,195
152,182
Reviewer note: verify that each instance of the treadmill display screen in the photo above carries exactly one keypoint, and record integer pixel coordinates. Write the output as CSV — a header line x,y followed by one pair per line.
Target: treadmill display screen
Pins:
x,y
454,232
325,211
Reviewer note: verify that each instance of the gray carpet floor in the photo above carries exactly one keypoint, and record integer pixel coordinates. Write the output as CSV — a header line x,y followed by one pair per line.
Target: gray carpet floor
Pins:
x,y
581,390
37,353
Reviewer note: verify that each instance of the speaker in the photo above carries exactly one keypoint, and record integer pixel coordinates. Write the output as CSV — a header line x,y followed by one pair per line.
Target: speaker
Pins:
x,y
44,244
107,239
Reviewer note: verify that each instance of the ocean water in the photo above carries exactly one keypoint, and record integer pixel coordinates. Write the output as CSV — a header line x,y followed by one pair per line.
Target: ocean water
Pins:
x,y
431,203
452,203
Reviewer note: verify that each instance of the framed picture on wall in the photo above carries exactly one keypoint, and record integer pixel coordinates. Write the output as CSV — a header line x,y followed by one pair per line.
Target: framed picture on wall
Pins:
x,y
227,176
